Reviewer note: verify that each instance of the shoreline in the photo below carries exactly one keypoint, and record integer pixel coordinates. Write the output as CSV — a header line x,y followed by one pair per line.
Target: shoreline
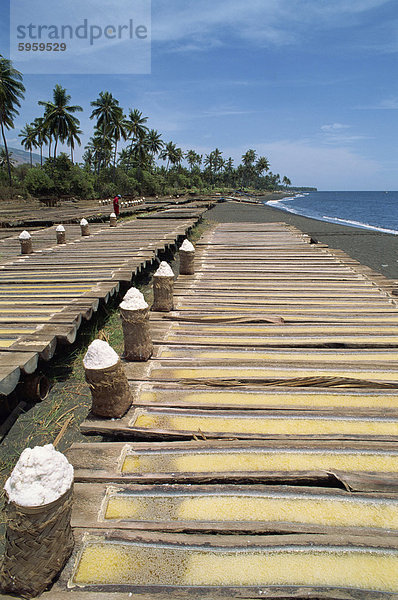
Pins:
x,y
331,220
375,249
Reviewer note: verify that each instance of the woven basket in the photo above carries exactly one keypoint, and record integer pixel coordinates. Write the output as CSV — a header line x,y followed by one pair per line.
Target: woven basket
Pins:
x,y
85,229
61,237
112,221
187,262
137,338
39,541
26,246
110,391
163,288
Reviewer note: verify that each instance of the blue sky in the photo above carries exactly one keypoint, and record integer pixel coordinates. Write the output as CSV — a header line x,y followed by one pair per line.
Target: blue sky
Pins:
x,y
311,84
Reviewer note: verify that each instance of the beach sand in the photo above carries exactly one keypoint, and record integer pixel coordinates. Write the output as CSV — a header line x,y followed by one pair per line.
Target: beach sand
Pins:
x,y
374,249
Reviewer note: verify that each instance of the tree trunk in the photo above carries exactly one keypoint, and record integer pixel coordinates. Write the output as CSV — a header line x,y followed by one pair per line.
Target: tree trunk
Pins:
x,y
31,158
7,155
114,161
41,154
55,147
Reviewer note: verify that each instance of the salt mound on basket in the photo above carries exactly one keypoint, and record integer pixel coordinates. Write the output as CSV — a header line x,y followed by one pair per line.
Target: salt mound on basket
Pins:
x,y
187,246
41,475
164,270
100,355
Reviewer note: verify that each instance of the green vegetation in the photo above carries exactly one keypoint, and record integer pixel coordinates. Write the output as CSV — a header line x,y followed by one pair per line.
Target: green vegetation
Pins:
x,y
11,92
106,169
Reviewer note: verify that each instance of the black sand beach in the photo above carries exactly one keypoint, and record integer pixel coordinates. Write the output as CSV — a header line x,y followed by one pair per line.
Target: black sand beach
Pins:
x,y
376,250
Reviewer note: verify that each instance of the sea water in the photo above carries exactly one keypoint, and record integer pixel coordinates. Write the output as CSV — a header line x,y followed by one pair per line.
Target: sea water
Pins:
x,y
369,210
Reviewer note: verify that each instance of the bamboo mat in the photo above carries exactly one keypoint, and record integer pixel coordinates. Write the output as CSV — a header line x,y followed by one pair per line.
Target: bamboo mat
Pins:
x,y
270,406
45,296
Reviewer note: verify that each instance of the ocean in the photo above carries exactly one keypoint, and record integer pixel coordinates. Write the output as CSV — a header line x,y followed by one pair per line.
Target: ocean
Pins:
x,y
377,211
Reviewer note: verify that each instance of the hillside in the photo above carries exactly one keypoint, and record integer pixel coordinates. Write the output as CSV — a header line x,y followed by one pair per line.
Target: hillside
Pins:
x,y
20,157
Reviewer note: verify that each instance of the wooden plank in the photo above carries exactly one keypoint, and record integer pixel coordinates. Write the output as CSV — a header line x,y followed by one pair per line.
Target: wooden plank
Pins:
x,y
358,402
173,423
181,545
105,462
49,292
179,508
9,377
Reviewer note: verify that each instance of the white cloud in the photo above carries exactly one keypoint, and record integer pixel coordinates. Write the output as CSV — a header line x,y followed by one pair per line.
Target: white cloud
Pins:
x,y
205,22
270,22
334,127
307,163
224,112
386,104
336,133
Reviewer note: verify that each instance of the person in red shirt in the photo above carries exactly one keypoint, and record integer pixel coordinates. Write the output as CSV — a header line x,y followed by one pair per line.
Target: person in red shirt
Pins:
x,y
116,209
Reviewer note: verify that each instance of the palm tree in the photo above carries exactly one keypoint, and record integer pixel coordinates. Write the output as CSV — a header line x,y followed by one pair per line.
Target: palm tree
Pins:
x,y
229,164
11,93
41,135
209,162
249,158
59,116
286,181
248,162
218,160
106,107
262,165
171,153
88,158
193,159
110,119
135,124
101,150
119,131
214,163
28,141
6,159
140,154
229,175
73,137
155,143
178,157
124,158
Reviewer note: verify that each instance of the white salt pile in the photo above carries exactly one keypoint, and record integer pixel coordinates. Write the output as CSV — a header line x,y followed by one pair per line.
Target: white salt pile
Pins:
x,y
132,293
164,270
100,355
60,228
113,216
133,303
187,246
40,476
84,222
25,235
